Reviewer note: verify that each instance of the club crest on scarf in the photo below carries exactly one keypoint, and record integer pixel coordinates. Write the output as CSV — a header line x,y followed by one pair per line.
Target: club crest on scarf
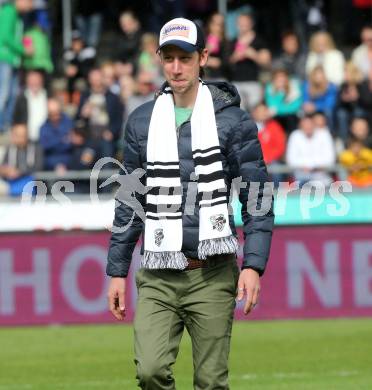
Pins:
x,y
218,221
158,235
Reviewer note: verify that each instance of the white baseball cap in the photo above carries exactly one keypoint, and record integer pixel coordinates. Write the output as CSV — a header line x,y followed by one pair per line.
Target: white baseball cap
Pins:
x,y
182,33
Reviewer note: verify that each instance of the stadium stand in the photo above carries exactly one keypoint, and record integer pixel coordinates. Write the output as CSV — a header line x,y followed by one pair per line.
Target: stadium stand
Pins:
x,y
96,86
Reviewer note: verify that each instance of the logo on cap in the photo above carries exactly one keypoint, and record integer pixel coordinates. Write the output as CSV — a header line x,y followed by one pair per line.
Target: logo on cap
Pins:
x,y
175,30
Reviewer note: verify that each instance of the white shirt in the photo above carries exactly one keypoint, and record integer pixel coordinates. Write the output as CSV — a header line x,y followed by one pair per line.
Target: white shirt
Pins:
x,y
333,63
317,151
37,106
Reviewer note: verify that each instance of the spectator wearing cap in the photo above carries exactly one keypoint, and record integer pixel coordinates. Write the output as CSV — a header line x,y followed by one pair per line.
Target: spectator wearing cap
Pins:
x,y
319,94
31,105
217,65
284,98
291,58
272,139
103,112
55,138
324,53
309,152
20,161
79,59
248,56
362,55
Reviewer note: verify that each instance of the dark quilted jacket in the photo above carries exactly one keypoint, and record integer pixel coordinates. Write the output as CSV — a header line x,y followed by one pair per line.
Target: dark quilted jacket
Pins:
x,y
241,156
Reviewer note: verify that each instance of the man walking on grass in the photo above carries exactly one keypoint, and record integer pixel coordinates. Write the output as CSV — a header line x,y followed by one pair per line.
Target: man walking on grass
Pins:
x,y
192,135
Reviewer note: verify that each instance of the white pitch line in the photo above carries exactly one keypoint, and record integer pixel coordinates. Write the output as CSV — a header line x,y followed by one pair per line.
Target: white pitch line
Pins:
x,y
287,375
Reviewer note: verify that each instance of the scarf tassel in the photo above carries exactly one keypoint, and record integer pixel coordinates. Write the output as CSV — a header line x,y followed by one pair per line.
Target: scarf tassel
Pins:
x,y
161,260
217,246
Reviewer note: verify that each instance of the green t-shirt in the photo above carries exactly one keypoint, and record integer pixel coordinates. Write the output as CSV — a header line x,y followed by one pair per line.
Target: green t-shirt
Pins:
x,y
182,115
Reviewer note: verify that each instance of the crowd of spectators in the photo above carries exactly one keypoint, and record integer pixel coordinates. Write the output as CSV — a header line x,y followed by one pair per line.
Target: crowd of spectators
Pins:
x,y
312,101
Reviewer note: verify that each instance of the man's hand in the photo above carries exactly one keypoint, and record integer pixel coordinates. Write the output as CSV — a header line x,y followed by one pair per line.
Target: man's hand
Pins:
x,y
249,282
116,294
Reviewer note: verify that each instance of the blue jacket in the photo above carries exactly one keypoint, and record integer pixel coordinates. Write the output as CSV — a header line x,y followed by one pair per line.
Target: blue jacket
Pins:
x,y
54,139
324,103
241,156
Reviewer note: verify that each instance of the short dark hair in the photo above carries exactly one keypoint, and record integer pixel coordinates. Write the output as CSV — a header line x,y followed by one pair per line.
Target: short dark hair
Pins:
x,y
289,33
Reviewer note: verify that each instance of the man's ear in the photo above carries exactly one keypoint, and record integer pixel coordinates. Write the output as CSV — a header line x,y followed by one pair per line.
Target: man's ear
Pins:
x,y
158,52
203,58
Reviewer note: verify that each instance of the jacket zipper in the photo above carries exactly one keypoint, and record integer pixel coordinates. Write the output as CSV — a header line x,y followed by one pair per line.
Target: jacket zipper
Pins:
x,y
178,130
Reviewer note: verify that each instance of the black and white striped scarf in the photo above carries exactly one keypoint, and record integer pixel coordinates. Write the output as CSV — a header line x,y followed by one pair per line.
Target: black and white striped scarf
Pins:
x,y
163,227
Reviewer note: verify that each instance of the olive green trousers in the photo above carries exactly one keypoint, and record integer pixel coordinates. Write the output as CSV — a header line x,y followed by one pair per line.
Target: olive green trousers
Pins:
x,y
203,301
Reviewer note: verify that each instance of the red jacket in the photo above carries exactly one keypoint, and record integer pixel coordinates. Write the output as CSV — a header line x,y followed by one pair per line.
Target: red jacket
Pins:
x,y
273,140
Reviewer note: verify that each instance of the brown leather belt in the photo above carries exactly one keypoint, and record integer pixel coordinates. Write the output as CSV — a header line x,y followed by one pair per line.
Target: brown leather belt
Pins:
x,y
196,263
209,262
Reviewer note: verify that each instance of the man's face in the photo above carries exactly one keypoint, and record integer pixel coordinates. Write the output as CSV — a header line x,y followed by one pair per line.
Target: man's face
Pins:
x,y
96,80
54,110
108,75
34,81
307,126
181,69
260,113
367,36
19,135
77,45
24,6
359,128
320,121
128,23
145,84
244,23
290,44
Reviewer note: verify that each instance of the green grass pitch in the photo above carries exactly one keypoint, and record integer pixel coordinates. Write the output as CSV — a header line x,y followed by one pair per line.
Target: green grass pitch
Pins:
x,y
276,355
